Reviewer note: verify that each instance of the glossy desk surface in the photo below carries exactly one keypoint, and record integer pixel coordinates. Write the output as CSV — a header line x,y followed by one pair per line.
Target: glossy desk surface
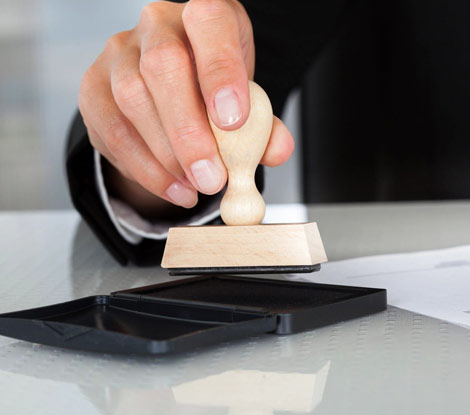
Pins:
x,y
394,362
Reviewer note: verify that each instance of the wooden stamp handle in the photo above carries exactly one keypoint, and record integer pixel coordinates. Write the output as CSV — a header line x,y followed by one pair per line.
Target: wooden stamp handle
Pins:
x,y
241,151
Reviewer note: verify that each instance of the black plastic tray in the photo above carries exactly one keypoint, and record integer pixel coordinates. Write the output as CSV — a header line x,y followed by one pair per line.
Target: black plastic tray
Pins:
x,y
189,313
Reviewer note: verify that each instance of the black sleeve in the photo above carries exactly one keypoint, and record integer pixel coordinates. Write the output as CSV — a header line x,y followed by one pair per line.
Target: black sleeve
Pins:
x,y
286,39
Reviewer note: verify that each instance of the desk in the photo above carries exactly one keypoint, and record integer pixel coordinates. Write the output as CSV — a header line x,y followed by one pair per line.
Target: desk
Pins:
x,y
394,362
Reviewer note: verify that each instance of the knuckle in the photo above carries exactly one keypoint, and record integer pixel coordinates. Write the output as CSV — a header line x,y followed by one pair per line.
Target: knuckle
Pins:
x,y
170,162
85,95
98,144
95,140
130,92
116,135
153,12
165,58
86,84
116,42
188,131
168,159
204,10
219,65
88,76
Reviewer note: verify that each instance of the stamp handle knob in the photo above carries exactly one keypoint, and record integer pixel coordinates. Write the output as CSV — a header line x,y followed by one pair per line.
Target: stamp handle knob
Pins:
x,y
241,151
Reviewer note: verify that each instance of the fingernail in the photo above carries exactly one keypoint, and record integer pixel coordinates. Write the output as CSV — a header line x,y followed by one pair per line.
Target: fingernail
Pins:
x,y
181,195
208,176
227,106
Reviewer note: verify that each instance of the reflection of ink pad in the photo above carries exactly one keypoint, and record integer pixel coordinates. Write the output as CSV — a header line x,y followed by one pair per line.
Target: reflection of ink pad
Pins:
x,y
184,314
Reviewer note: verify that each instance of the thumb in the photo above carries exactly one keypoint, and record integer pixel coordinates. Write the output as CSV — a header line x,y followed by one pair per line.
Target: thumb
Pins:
x,y
212,29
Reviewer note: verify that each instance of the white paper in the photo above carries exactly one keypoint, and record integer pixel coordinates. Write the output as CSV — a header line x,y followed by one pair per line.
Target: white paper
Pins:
x,y
286,213
434,283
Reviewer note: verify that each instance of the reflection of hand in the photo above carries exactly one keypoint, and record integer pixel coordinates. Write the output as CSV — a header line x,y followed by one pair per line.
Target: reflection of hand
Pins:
x,y
143,99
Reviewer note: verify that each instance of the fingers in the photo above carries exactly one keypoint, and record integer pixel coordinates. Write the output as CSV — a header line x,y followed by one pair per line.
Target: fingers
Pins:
x,y
221,67
169,74
280,146
144,101
136,103
116,135
99,145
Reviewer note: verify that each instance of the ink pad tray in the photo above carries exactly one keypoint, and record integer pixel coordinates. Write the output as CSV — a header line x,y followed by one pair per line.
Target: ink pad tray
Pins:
x,y
184,314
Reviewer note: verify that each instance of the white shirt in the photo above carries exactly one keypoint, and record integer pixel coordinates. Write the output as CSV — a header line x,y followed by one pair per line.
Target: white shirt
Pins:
x,y
133,227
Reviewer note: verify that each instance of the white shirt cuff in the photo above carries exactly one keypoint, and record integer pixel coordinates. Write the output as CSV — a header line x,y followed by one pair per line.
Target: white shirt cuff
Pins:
x,y
133,227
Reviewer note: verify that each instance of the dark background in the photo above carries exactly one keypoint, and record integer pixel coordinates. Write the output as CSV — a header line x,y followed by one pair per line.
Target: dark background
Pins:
x,y
385,106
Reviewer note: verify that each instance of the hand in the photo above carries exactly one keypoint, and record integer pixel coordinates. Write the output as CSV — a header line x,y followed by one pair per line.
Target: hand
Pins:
x,y
144,99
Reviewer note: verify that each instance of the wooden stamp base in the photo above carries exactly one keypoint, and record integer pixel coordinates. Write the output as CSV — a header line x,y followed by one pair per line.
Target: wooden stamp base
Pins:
x,y
252,249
